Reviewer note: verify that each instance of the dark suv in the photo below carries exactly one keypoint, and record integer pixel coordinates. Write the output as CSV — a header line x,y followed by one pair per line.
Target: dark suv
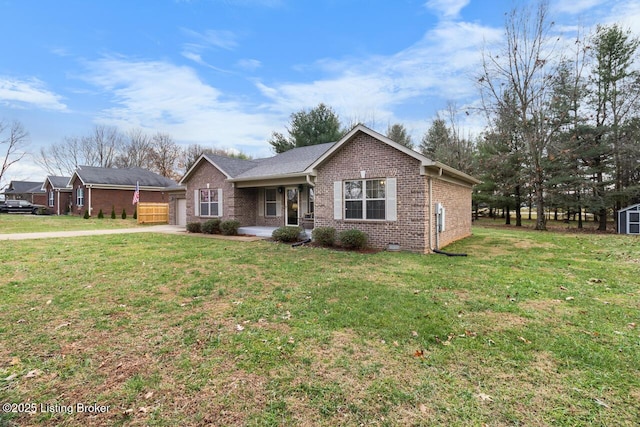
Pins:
x,y
21,206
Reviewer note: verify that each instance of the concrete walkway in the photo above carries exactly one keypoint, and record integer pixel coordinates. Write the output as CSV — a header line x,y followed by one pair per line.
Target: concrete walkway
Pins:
x,y
169,229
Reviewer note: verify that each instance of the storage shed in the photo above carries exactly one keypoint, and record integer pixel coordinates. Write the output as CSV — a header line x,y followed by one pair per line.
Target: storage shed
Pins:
x,y
629,220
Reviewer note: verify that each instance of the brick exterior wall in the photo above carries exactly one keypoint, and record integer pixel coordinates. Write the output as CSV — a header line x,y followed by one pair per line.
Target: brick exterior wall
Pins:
x,y
108,199
456,199
378,160
411,229
61,200
238,204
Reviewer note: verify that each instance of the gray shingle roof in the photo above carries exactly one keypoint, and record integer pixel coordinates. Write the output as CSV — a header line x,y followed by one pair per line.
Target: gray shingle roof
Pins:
x,y
59,181
231,166
290,162
23,187
111,176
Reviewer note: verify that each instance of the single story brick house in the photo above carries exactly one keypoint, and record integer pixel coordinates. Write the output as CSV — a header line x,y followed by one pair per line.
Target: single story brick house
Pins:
x,y
58,194
26,190
364,181
96,188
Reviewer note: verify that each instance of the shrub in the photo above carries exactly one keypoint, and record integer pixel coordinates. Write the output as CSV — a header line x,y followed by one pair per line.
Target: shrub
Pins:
x,y
135,213
325,236
230,227
124,214
194,227
86,214
100,214
211,226
287,234
353,239
113,212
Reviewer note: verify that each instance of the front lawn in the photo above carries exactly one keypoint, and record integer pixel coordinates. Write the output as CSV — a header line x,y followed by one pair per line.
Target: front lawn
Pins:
x,y
23,223
530,329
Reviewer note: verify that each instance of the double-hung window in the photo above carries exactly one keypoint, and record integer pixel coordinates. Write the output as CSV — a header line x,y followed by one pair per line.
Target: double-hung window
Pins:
x,y
209,202
51,198
270,202
365,199
80,196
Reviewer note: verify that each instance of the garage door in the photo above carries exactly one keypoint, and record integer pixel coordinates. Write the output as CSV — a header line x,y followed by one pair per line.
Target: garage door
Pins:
x,y
181,217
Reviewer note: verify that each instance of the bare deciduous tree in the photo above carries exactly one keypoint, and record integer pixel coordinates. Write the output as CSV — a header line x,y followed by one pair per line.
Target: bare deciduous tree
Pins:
x,y
12,144
525,68
166,154
136,151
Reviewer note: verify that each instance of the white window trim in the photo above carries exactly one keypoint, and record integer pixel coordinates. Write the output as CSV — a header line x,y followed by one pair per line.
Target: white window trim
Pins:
x,y
217,203
52,198
80,196
339,200
364,199
274,202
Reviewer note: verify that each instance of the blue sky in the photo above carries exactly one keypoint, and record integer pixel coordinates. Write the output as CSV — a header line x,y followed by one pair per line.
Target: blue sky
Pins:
x,y
226,73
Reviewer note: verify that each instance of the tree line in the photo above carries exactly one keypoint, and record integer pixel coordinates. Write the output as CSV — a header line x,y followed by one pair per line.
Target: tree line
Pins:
x,y
109,147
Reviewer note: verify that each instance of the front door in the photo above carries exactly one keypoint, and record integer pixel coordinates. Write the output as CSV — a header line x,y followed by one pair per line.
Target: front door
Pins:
x,y
292,206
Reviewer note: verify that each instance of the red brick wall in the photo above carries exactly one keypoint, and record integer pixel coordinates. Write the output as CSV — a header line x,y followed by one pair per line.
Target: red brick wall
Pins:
x,y
107,199
60,201
378,160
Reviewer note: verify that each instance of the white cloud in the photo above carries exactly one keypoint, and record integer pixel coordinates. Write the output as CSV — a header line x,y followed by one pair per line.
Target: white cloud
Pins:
x,y
440,67
15,93
447,8
160,96
575,7
221,39
249,64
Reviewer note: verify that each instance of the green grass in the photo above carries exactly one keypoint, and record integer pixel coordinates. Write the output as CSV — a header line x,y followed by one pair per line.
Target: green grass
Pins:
x,y
530,329
15,223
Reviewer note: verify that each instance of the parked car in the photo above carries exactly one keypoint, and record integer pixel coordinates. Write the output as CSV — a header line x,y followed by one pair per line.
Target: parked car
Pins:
x,y
22,206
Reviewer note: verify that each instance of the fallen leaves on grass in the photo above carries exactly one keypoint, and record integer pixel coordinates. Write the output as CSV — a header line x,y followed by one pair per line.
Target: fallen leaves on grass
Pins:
x,y
484,397
419,354
34,373
524,340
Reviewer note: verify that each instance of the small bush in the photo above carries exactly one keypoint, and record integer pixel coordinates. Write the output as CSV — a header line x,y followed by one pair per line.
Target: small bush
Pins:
x,y
194,227
124,214
287,234
86,214
135,213
325,236
353,239
230,227
100,215
113,212
211,226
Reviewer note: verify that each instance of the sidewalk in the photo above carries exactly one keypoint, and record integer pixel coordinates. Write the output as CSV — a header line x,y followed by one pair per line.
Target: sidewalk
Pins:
x,y
170,229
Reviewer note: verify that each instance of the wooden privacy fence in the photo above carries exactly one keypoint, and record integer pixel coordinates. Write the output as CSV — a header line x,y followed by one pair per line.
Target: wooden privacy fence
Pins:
x,y
153,213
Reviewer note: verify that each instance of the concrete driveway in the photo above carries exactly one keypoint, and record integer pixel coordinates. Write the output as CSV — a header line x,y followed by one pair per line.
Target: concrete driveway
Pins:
x,y
170,229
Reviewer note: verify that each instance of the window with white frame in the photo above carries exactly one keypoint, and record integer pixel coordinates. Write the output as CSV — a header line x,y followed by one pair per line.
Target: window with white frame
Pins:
x,y
51,198
270,202
209,202
80,196
365,199
311,201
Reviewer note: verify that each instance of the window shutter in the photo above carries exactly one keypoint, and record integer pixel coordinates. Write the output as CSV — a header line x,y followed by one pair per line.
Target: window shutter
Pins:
x,y
261,197
220,202
196,202
337,200
392,203
279,199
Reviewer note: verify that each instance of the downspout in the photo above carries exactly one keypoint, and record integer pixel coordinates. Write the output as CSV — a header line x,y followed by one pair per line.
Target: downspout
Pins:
x,y
90,208
430,214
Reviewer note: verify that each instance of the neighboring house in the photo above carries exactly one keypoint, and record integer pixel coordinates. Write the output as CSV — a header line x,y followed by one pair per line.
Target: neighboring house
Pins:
x,y
629,220
58,194
95,189
364,181
26,190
